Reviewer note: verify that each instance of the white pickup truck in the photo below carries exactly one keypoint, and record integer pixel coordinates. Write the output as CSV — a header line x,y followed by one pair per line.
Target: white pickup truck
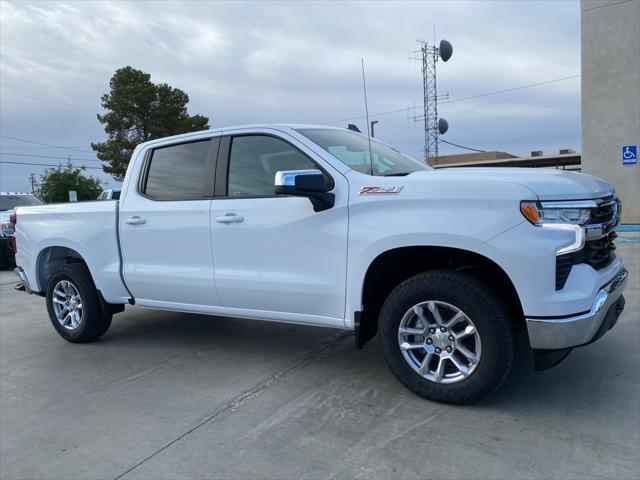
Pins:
x,y
323,226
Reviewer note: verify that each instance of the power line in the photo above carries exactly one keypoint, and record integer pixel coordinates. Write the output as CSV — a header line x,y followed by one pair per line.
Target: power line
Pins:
x,y
34,147
495,92
50,108
510,89
45,100
48,165
379,114
48,156
45,144
610,4
462,146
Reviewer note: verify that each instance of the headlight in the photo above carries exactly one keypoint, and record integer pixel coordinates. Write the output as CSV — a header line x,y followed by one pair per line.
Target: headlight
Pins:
x,y
571,215
568,213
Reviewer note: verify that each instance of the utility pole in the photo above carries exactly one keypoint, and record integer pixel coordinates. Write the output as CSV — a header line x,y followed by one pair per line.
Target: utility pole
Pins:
x,y
32,178
373,122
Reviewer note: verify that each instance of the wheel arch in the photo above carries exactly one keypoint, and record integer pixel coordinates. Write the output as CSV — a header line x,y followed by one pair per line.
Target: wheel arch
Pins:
x,y
393,266
53,257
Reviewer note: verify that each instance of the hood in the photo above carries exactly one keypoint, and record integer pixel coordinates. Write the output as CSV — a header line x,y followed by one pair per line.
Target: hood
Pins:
x,y
547,184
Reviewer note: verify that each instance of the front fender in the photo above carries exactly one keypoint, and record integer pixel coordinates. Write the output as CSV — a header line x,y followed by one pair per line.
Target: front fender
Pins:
x,y
527,255
360,263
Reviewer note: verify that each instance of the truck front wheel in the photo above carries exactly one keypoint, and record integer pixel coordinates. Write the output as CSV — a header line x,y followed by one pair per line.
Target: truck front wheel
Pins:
x,y
74,305
447,337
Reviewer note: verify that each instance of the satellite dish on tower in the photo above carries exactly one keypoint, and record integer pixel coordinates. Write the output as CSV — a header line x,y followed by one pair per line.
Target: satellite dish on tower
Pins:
x,y
443,126
446,50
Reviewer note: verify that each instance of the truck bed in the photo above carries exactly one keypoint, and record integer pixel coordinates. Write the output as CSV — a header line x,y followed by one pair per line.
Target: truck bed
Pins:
x,y
88,228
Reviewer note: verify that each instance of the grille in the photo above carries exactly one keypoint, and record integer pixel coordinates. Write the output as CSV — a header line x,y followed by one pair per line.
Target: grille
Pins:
x,y
563,268
599,253
605,212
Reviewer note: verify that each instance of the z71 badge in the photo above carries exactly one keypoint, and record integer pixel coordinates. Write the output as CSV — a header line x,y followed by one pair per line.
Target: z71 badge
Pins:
x,y
379,190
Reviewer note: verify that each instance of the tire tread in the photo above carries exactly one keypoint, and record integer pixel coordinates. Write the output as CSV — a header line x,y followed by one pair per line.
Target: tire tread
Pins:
x,y
484,302
96,321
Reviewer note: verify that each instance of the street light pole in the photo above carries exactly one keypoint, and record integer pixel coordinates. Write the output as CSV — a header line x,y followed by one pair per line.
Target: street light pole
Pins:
x,y
373,122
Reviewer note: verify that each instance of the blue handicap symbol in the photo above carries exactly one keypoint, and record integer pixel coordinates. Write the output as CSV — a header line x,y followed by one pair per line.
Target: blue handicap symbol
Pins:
x,y
629,154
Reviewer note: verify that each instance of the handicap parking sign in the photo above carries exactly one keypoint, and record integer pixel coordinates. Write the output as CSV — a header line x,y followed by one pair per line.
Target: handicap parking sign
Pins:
x,y
629,154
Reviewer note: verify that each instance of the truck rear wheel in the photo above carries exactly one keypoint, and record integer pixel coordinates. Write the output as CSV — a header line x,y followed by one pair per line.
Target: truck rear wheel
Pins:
x,y
447,337
74,305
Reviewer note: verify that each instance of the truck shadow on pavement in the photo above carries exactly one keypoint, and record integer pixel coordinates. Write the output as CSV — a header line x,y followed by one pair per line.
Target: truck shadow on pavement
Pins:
x,y
250,342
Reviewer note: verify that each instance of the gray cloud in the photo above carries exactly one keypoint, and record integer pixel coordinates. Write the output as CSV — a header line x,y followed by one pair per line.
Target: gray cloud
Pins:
x,y
249,62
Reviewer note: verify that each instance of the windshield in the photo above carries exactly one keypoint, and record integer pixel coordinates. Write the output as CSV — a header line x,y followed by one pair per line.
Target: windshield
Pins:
x,y
9,202
352,149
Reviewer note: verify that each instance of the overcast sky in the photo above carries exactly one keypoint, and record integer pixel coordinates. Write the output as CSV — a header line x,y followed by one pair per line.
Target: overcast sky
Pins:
x,y
290,61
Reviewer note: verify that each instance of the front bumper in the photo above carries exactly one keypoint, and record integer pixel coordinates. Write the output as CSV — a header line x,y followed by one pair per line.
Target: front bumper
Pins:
x,y
573,331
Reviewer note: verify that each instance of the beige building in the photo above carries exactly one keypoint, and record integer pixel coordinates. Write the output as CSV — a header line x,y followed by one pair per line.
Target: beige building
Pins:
x,y
611,95
566,160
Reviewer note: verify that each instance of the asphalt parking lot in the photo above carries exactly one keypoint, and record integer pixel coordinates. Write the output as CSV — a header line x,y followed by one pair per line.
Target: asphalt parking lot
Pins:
x,y
168,395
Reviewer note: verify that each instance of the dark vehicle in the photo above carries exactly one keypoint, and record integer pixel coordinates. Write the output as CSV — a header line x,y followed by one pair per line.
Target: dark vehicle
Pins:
x,y
110,194
8,203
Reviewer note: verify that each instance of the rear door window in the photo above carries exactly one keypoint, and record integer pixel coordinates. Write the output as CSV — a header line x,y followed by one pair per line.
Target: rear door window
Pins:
x,y
177,172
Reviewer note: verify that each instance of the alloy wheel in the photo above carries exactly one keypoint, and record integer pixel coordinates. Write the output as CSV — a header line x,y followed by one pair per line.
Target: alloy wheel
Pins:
x,y
439,341
67,304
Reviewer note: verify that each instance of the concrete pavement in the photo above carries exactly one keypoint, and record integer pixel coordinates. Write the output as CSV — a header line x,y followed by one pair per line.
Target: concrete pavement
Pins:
x,y
167,395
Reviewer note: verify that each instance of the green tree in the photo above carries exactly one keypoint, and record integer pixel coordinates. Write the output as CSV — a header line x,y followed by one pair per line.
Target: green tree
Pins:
x,y
139,110
55,184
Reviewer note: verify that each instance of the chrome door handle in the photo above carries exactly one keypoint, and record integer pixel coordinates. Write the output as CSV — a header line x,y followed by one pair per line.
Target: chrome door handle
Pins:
x,y
230,218
136,220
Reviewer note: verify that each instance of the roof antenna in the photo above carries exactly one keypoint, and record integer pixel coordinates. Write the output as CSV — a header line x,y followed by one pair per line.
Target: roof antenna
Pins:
x,y
366,109
434,26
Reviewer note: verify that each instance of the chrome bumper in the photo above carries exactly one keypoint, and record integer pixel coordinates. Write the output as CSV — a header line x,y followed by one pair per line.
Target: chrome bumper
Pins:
x,y
557,333
23,278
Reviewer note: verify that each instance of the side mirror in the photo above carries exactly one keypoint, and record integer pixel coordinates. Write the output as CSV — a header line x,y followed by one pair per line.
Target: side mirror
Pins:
x,y
305,183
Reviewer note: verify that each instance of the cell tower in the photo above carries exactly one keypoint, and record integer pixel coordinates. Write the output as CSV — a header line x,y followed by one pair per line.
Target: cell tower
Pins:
x,y
433,126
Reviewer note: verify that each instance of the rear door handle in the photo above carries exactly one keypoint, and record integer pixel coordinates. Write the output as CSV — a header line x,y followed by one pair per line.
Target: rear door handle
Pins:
x,y
230,218
136,220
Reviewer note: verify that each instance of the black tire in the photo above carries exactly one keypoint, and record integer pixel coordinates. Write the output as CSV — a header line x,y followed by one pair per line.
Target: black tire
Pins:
x,y
479,304
106,325
94,321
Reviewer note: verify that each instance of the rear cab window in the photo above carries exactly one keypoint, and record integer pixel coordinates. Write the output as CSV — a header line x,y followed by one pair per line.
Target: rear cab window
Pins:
x,y
178,172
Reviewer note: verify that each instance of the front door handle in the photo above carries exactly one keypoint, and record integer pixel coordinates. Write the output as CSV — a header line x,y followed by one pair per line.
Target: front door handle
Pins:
x,y
136,220
230,218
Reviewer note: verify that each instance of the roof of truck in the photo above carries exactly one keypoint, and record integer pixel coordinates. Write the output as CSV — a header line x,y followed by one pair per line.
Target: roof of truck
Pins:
x,y
293,126
286,125
276,126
